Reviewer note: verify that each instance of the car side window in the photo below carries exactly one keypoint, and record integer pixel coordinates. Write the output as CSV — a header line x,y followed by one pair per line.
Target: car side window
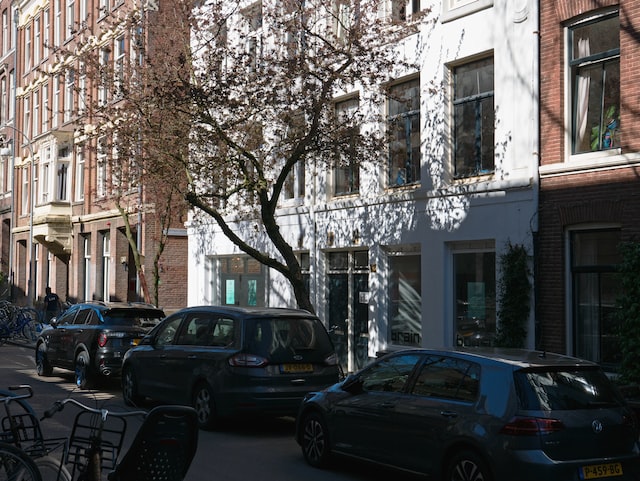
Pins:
x,y
447,377
84,317
167,331
390,375
66,318
224,332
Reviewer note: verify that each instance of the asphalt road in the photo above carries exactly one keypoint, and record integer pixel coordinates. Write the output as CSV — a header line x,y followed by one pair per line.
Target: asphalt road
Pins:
x,y
241,450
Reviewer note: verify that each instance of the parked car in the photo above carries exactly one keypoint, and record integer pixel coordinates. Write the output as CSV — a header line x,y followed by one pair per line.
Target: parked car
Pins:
x,y
231,360
471,414
91,338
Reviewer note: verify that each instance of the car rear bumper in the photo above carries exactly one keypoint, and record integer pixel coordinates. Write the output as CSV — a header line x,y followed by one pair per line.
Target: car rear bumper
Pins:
x,y
534,465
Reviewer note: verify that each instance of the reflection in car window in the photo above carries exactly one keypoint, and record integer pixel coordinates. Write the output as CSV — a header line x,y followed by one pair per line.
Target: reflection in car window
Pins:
x,y
447,377
390,375
83,316
282,337
565,389
207,330
167,331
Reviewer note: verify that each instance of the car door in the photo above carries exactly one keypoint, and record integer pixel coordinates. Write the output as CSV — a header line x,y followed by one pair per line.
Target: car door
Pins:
x,y
439,409
79,334
151,360
364,421
58,338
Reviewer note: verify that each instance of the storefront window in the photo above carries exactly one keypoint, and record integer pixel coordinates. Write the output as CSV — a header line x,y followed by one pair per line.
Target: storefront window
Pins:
x,y
475,298
405,300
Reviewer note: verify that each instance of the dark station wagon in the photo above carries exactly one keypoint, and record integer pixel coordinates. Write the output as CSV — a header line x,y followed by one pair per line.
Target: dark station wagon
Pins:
x,y
226,361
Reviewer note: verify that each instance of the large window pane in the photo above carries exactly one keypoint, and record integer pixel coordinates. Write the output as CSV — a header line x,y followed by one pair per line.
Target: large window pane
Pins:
x,y
475,291
474,119
405,300
404,133
595,66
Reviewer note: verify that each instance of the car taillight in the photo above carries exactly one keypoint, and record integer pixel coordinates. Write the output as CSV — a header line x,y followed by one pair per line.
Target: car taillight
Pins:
x,y
102,339
531,426
247,360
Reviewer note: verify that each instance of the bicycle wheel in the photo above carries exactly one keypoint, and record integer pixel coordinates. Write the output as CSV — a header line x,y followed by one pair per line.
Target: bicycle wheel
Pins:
x,y
15,465
52,469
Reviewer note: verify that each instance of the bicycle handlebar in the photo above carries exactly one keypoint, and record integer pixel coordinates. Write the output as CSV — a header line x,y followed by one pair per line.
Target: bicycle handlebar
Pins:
x,y
8,399
59,406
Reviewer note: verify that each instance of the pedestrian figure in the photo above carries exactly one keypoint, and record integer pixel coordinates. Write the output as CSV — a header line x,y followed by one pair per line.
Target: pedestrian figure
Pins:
x,y
52,305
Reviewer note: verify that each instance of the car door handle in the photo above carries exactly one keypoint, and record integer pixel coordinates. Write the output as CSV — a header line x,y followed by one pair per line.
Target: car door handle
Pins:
x,y
387,405
449,414
192,356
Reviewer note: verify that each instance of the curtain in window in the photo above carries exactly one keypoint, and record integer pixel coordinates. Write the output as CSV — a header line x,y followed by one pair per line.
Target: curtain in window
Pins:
x,y
582,91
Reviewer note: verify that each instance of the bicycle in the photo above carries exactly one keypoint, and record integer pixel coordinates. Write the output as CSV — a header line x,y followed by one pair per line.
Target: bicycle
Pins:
x,y
18,322
16,465
163,448
24,432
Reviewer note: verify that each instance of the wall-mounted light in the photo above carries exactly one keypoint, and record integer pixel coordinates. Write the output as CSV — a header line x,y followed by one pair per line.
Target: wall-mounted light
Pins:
x,y
123,261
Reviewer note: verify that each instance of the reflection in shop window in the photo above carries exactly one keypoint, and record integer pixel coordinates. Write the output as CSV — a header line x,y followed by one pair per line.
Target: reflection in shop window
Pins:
x,y
475,296
405,301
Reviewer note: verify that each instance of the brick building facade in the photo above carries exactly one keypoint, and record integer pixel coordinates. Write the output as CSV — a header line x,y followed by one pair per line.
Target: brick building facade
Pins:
x,y
589,169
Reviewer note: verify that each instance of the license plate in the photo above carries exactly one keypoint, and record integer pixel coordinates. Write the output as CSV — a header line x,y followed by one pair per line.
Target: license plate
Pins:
x,y
595,471
293,368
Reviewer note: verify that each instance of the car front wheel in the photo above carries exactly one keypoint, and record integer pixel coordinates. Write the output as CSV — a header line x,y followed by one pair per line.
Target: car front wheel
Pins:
x,y
130,388
204,405
43,368
315,440
467,466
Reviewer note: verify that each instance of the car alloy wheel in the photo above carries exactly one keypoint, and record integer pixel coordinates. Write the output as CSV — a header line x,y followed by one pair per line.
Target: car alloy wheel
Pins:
x,y
315,440
204,405
43,368
130,388
467,466
82,370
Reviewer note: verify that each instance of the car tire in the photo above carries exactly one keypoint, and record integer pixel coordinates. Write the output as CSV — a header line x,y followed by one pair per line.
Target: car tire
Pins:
x,y
130,394
82,370
204,405
43,368
314,440
467,465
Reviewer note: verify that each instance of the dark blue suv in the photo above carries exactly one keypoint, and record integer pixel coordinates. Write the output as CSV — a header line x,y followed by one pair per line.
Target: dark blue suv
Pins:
x,y
91,338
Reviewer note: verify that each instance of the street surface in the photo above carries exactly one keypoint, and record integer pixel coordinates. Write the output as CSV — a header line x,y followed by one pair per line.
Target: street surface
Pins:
x,y
242,450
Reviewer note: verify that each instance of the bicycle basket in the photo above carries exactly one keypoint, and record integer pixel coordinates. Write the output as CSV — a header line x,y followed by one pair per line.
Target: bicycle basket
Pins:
x,y
86,429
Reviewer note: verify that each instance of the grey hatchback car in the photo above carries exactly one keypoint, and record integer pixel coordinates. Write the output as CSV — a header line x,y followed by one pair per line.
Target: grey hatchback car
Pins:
x,y
231,360
476,414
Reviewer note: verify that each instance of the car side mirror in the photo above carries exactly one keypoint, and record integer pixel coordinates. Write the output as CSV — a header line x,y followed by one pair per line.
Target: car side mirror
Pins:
x,y
53,322
353,384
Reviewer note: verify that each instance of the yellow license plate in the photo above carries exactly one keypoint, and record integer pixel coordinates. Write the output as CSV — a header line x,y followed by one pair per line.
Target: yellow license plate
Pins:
x,y
293,368
595,471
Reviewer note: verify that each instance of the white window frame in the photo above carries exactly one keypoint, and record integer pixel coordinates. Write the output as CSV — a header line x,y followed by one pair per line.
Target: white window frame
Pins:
x,y
79,174
452,9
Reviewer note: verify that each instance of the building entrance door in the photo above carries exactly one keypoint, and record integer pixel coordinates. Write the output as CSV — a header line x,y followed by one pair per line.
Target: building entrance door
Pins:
x,y
348,300
242,281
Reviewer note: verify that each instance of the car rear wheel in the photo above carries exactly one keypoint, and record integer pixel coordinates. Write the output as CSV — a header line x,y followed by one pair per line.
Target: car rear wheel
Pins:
x,y
467,466
82,370
130,388
204,405
43,368
315,440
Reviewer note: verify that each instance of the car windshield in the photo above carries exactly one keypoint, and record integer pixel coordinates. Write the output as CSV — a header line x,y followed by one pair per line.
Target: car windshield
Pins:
x,y
132,317
565,389
283,337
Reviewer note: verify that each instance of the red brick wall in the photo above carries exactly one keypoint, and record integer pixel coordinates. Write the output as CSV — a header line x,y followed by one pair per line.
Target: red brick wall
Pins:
x,y
581,197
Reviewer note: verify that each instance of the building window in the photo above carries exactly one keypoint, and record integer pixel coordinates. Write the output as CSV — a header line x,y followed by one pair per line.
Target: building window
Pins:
x,y
404,132
119,66
595,286
26,119
37,41
101,188
595,81
45,107
62,173
24,207
79,177
27,49
106,264
474,116
405,299
36,113
57,25
69,88
70,18
4,100
403,10
105,7
346,168
55,108
103,87
47,31
475,298
86,271
5,31
452,9
45,174
12,93
252,17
